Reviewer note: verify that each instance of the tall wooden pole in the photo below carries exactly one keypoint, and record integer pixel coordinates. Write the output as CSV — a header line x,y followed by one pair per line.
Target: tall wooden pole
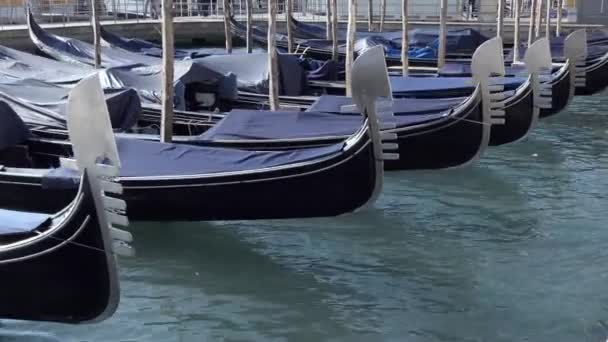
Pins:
x,y
273,65
443,32
350,44
334,30
328,19
382,14
249,9
532,20
166,131
539,18
288,4
500,23
227,30
96,33
405,61
558,25
548,19
370,15
516,28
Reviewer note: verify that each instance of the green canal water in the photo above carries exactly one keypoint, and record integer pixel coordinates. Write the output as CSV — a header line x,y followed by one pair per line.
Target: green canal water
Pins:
x,y
513,248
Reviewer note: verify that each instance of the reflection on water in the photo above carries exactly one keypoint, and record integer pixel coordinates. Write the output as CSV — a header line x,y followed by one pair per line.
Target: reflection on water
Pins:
x,y
511,249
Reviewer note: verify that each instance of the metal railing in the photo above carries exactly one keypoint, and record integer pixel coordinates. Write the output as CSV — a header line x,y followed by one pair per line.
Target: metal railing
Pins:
x,y
68,11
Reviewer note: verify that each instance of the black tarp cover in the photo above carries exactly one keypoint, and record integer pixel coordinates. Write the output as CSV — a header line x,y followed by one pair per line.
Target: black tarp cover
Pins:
x,y
13,130
147,80
44,104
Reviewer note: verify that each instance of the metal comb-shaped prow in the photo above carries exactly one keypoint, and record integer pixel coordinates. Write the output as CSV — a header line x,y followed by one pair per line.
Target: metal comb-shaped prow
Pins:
x,y
539,64
575,50
371,90
488,61
95,150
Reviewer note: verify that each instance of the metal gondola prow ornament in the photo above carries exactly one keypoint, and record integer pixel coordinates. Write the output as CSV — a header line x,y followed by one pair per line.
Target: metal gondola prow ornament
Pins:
x,y
372,94
575,51
487,62
539,65
95,151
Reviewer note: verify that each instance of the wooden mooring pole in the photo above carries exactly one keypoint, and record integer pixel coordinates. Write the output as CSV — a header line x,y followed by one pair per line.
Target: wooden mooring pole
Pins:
x,y
539,18
532,20
443,32
96,34
405,60
382,14
500,22
370,15
334,30
328,13
288,22
166,131
227,30
248,9
558,25
350,44
516,29
273,65
548,19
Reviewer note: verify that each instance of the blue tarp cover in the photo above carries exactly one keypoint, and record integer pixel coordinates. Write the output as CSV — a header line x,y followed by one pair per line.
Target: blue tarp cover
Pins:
x,y
415,85
268,125
406,106
19,222
12,129
148,158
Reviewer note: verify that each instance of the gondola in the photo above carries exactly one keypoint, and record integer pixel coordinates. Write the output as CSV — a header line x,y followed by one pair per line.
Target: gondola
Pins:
x,y
451,129
61,267
179,182
196,86
596,67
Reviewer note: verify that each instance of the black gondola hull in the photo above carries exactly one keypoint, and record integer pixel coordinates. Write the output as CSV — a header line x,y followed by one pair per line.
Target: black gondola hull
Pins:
x,y
560,95
596,79
331,187
53,280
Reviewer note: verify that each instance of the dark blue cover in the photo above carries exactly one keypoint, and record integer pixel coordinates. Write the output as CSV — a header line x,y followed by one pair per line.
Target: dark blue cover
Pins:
x,y
268,125
419,85
405,106
12,129
141,158
19,222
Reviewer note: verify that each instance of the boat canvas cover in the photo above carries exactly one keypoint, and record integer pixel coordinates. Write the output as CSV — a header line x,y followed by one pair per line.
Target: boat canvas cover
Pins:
x,y
421,85
141,158
23,65
401,106
18,222
44,104
147,80
252,72
271,125
186,72
151,49
13,130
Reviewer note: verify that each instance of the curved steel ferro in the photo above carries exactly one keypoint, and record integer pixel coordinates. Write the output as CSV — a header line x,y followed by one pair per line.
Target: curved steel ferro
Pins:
x,y
372,94
539,65
575,51
96,154
488,62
